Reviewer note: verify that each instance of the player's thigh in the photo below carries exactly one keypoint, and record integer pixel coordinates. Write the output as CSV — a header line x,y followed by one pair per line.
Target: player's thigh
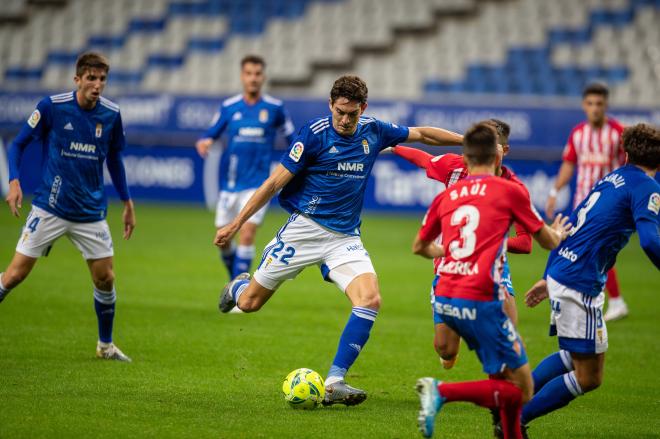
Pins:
x,y
298,244
40,232
363,289
577,319
92,239
347,263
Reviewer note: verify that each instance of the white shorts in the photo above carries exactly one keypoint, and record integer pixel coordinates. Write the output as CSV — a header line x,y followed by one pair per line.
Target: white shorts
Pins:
x,y
231,203
42,229
302,242
577,319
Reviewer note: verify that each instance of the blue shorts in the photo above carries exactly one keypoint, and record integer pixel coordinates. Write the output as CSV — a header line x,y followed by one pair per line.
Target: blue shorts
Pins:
x,y
486,329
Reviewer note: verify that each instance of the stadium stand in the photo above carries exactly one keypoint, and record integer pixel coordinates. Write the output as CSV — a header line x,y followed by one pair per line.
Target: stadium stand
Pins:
x,y
410,50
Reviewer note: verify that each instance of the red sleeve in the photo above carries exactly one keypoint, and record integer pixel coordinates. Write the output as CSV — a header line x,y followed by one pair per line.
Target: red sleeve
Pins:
x,y
431,225
621,153
522,242
524,212
413,155
569,154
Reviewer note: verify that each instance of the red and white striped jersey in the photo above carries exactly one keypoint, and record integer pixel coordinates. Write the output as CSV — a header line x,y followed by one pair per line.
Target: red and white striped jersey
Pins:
x,y
596,152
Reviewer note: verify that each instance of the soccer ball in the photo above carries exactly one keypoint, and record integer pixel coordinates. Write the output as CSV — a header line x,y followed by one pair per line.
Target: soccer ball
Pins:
x,y
303,389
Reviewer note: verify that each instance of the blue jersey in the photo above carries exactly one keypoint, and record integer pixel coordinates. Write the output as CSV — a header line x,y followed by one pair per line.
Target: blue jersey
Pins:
x,y
331,170
251,131
602,225
75,143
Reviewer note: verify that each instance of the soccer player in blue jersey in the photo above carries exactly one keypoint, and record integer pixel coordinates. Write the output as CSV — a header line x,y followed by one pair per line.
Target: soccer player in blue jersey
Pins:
x,y
323,177
625,200
251,121
78,131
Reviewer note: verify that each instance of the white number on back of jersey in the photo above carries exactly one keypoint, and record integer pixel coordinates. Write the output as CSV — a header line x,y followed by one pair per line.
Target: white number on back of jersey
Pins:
x,y
470,215
582,213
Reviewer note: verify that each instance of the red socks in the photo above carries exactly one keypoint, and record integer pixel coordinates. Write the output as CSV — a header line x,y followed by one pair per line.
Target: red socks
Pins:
x,y
612,284
492,394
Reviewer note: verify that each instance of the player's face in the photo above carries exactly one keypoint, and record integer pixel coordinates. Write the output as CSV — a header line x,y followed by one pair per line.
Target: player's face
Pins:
x,y
252,78
90,86
345,115
594,107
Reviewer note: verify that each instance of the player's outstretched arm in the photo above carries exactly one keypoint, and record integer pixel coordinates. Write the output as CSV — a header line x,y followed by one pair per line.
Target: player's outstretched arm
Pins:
x,y
434,136
427,249
566,172
15,197
551,236
537,294
521,243
203,146
277,180
413,155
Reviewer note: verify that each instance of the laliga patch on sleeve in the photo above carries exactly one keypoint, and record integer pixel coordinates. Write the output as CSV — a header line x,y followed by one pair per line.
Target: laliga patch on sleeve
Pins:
x,y
654,203
296,151
34,119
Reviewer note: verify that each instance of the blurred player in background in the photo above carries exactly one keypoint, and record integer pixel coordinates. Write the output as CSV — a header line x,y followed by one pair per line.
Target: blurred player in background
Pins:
x,y
251,121
595,148
626,200
323,178
474,217
450,169
78,131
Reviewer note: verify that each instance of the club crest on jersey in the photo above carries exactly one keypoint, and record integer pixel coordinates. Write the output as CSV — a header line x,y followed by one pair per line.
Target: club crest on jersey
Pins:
x,y
654,203
99,130
296,151
263,116
237,116
34,118
365,146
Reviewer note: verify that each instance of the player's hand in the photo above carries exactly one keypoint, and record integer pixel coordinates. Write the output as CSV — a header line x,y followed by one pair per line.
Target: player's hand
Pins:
x,y
128,218
388,150
561,226
225,234
550,207
203,146
537,294
15,197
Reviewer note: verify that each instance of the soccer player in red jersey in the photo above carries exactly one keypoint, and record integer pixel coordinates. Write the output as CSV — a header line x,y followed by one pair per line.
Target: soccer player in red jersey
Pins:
x,y
596,149
449,169
474,217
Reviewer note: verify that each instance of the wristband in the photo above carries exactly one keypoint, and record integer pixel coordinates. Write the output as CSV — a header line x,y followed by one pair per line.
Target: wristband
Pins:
x,y
553,192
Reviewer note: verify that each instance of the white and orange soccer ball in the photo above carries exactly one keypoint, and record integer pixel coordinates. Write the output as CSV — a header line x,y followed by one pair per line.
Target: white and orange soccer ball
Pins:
x,y
303,389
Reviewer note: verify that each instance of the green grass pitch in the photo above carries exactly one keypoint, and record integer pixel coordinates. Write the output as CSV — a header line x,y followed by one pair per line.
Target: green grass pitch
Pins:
x,y
197,373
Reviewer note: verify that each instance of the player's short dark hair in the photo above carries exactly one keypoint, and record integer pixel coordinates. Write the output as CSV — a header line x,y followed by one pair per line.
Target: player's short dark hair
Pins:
x,y
502,128
91,60
253,59
642,143
596,88
480,144
350,87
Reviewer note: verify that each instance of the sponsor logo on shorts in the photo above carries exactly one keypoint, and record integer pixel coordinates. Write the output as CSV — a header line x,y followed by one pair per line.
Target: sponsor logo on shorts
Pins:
x,y
103,235
296,151
456,312
654,203
34,118
354,247
566,253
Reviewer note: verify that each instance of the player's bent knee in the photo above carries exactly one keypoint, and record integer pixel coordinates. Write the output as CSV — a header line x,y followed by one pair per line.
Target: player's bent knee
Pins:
x,y
589,382
104,280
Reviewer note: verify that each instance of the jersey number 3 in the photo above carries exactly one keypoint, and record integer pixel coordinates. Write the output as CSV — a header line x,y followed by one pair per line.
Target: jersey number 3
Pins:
x,y
582,213
468,216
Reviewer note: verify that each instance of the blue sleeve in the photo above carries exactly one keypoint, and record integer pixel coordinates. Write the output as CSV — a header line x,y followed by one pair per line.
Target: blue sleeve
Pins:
x,y
645,203
302,151
218,125
391,134
118,138
649,240
285,125
118,174
35,129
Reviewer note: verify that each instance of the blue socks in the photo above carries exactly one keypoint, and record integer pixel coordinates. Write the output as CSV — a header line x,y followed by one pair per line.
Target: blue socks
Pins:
x,y
238,288
228,256
353,339
551,366
557,393
104,304
242,260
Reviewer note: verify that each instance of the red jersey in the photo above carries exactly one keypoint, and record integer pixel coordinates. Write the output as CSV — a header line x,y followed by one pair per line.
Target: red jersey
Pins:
x,y
474,217
596,152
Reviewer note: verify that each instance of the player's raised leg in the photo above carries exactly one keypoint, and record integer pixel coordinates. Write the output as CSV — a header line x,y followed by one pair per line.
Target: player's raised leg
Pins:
x,y
364,294
105,297
446,343
18,269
